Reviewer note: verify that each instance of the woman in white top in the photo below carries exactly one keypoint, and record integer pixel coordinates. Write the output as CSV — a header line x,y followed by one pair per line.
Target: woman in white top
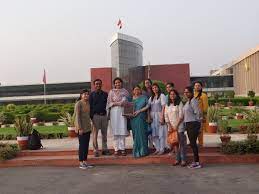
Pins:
x,y
116,101
159,130
174,120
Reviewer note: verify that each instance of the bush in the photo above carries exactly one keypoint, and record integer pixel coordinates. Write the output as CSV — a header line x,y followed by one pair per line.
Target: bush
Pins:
x,y
8,151
241,147
235,101
45,116
10,107
9,117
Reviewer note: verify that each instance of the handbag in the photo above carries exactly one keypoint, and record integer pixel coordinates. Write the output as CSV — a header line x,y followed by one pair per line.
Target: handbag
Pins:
x,y
172,138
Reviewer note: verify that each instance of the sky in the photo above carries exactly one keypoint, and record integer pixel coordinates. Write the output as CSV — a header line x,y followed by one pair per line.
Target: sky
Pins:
x,y
68,37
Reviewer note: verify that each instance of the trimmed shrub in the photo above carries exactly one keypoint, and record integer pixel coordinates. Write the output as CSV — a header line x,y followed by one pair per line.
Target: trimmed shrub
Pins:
x,y
9,117
8,151
10,107
241,147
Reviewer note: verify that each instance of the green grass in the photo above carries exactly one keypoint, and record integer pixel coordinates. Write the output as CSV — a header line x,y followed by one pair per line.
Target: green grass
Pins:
x,y
40,129
234,123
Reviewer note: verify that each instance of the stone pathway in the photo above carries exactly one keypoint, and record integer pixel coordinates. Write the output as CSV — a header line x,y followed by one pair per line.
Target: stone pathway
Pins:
x,y
210,140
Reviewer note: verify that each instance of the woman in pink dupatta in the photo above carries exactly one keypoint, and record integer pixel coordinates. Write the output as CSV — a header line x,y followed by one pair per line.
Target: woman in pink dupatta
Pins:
x,y
117,98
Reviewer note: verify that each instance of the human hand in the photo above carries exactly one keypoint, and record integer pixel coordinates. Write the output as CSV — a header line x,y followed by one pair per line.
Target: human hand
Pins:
x,y
136,113
80,132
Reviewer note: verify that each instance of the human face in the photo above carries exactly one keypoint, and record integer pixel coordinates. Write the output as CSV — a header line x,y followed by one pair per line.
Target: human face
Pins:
x,y
197,87
136,91
155,89
117,84
85,96
98,85
169,88
172,95
147,84
187,93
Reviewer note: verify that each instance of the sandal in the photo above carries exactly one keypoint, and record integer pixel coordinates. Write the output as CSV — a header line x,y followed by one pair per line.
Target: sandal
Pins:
x,y
123,153
116,153
176,163
183,164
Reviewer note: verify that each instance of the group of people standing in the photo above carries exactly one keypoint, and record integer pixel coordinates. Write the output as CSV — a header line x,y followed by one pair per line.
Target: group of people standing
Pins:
x,y
155,116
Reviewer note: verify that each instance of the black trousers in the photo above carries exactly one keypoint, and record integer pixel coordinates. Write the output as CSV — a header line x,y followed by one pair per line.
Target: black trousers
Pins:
x,y
83,146
193,130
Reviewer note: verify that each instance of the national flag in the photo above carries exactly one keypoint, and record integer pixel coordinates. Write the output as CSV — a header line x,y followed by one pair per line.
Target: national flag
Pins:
x,y
44,77
119,24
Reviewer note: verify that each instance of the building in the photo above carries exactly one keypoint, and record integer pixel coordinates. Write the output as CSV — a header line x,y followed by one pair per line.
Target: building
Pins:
x,y
215,84
34,94
246,73
179,74
126,53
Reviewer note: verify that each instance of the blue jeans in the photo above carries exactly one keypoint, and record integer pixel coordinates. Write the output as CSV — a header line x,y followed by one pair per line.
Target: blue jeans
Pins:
x,y
181,154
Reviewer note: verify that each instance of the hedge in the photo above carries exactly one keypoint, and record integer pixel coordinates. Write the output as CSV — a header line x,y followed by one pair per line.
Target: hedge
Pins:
x,y
47,113
8,151
241,147
235,101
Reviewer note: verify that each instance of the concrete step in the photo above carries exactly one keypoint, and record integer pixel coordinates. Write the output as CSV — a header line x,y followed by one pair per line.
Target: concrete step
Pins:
x,y
72,160
46,152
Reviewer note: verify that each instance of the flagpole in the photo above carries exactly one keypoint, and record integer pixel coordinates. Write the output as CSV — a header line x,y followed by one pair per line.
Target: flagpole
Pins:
x,y
45,101
44,86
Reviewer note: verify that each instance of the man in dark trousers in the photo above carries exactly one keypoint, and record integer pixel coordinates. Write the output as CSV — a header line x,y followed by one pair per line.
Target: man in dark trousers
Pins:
x,y
98,100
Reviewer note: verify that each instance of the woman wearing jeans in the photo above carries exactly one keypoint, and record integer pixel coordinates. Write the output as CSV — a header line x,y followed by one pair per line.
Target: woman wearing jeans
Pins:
x,y
192,120
174,120
83,127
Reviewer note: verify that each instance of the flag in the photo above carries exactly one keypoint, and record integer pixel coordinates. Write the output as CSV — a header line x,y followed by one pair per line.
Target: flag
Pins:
x,y
44,79
119,24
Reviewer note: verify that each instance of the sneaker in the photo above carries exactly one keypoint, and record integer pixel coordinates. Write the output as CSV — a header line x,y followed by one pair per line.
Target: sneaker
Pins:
x,y
82,166
194,165
88,165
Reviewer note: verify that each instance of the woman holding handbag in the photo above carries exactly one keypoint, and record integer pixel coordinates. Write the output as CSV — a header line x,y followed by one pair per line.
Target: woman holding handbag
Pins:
x,y
174,119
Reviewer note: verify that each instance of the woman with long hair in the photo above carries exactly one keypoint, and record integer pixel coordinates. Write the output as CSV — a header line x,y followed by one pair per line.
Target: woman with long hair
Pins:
x,y
147,91
117,99
174,120
157,104
139,124
203,104
192,120
147,88
83,127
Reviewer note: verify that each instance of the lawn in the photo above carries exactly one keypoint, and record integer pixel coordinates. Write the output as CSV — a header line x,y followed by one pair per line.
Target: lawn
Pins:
x,y
234,123
40,129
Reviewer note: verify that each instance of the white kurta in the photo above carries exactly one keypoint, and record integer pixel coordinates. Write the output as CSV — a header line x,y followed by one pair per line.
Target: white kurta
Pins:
x,y
159,131
118,122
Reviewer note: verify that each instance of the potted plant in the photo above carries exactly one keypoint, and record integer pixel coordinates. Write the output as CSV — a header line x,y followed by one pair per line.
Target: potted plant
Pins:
x,y
216,98
230,95
251,94
224,130
213,114
253,120
238,112
23,127
69,121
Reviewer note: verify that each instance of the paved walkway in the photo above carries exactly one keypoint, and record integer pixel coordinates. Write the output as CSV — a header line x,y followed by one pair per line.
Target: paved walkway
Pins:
x,y
148,179
210,140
